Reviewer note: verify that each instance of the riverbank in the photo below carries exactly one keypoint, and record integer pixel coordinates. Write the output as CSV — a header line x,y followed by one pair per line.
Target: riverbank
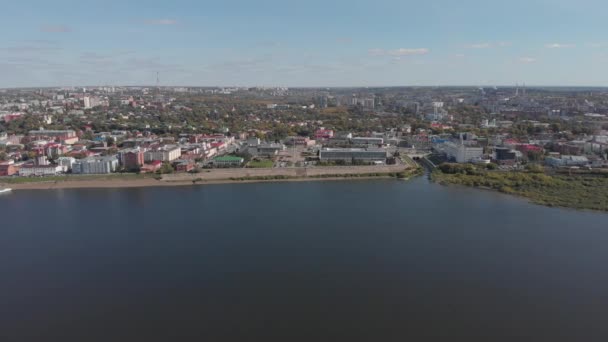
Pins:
x,y
208,177
583,192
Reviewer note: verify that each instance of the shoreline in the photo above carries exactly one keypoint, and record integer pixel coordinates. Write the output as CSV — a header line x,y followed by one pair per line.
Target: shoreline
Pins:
x,y
538,189
217,176
153,183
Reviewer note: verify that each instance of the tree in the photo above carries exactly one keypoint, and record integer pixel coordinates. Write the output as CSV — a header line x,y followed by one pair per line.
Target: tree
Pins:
x,y
3,156
166,168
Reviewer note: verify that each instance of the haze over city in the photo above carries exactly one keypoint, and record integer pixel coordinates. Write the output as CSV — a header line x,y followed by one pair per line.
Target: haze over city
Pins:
x,y
312,43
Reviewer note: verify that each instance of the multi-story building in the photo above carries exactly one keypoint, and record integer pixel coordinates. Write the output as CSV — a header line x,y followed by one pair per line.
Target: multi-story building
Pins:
x,y
353,155
95,165
57,134
460,152
7,169
164,154
66,163
133,159
39,170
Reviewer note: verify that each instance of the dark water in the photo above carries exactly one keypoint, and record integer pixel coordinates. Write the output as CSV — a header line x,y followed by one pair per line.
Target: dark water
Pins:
x,y
322,261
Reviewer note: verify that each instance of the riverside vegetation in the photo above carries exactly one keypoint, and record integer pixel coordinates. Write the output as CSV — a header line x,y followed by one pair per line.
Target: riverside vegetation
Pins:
x,y
409,173
580,191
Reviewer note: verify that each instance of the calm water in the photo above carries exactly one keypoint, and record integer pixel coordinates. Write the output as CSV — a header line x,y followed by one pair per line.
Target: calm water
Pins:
x,y
323,261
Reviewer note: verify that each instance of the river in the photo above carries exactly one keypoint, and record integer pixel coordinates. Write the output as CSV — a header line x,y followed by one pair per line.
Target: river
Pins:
x,y
372,260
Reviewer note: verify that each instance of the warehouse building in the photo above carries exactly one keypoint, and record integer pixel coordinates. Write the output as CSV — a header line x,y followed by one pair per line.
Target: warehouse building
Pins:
x,y
353,155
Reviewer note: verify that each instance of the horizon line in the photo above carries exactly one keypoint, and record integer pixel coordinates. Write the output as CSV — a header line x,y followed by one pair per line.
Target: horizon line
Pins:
x,y
315,87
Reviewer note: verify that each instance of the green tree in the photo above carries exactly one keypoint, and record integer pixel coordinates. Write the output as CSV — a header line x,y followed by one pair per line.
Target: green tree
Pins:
x,y
166,168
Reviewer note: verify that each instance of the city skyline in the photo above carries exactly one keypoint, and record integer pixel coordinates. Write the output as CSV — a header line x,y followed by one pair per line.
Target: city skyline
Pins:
x,y
316,44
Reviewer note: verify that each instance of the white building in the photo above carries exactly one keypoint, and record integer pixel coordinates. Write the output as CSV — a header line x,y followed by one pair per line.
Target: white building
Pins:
x,y
267,150
567,161
462,153
95,165
39,170
66,163
165,154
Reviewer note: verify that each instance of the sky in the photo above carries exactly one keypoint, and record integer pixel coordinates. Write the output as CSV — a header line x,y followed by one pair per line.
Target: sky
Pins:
x,y
303,43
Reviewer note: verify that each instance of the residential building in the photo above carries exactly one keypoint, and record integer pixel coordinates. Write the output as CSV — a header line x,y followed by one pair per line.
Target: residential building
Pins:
x,y
66,163
153,166
165,154
57,134
7,169
184,166
39,170
133,159
95,165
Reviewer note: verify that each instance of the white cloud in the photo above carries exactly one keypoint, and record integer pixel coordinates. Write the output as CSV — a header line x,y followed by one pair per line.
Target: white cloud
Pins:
x,y
459,55
559,46
161,22
596,45
527,60
399,52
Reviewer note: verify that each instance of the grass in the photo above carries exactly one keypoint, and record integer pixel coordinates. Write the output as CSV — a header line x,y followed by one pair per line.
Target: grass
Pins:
x,y
400,175
576,191
260,164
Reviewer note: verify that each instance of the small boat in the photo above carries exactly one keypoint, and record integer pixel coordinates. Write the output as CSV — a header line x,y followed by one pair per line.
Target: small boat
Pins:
x,y
2,191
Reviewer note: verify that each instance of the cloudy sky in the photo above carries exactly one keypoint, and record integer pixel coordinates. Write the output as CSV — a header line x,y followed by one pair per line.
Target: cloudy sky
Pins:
x,y
303,43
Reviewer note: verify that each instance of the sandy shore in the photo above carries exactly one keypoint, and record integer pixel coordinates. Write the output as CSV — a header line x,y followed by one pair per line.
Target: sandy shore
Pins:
x,y
143,183
217,176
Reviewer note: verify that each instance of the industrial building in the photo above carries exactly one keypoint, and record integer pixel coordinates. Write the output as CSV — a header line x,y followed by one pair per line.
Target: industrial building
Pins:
x,y
353,155
228,161
367,141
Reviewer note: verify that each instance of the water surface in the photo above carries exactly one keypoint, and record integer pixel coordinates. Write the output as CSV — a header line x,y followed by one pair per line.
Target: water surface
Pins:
x,y
381,260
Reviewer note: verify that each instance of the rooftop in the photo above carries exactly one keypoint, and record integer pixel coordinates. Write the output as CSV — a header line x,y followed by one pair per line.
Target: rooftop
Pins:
x,y
228,159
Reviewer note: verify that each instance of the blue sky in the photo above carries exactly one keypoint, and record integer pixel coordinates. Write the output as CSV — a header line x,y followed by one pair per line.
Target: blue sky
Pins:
x,y
304,43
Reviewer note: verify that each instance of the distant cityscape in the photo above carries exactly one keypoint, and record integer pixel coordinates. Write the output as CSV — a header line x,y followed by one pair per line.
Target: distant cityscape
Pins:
x,y
104,130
